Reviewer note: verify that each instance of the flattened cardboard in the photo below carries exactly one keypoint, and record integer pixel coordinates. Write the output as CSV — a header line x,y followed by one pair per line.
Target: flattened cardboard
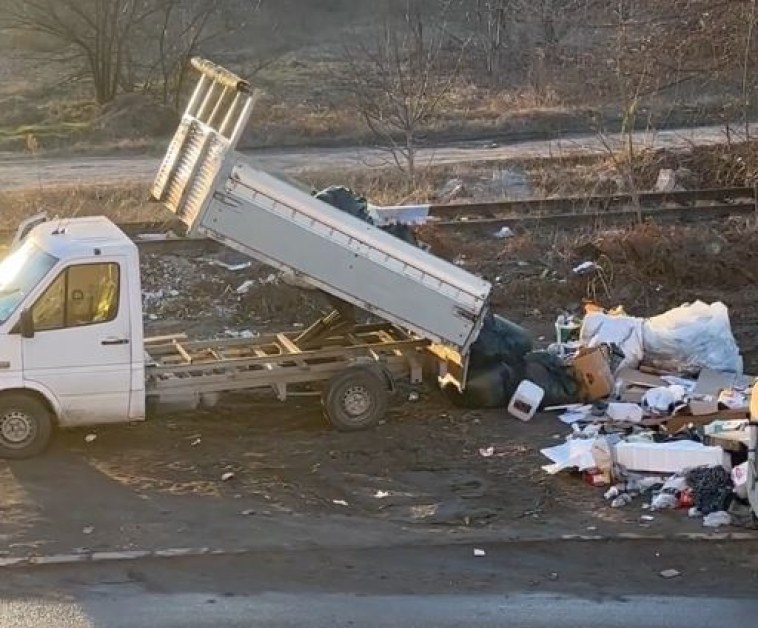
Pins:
x,y
674,424
713,382
638,379
704,405
633,395
705,397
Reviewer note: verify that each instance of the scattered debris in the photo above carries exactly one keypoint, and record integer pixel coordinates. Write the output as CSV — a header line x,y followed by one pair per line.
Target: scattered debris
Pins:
x,y
586,268
381,494
246,286
413,396
717,519
88,529
90,438
670,573
662,433
225,477
504,232
231,267
621,501
479,552
340,502
487,452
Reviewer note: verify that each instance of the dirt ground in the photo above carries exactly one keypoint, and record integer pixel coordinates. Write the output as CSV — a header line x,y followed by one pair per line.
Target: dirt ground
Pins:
x,y
418,477
420,472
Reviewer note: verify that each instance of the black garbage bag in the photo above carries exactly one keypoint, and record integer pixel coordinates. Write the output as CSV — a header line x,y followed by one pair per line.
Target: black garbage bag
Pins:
x,y
500,341
712,488
351,203
345,200
404,232
491,387
548,372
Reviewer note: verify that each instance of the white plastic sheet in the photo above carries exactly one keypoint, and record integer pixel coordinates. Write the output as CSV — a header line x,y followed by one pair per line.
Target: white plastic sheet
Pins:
x,y
575,452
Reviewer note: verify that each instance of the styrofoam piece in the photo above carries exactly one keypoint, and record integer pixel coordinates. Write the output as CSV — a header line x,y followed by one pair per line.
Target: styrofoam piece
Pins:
x,y
672,457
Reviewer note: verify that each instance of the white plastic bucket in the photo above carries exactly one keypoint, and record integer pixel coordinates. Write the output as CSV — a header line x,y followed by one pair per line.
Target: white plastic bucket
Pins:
x,y
526,400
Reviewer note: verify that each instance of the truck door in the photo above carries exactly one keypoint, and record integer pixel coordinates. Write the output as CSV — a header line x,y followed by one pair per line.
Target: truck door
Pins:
x,y
80,350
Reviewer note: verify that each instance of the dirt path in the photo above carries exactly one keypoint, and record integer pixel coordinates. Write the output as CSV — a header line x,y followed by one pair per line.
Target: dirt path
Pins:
x,y
20,172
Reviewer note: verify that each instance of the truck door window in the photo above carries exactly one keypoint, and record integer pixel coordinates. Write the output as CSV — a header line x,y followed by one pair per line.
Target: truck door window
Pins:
x,y
86,294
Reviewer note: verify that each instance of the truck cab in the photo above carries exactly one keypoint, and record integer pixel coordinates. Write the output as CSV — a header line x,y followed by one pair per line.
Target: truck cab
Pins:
x,y
71,336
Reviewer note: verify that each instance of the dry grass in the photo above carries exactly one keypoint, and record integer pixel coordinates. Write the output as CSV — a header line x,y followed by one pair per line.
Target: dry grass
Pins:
x,y
648,268
122,204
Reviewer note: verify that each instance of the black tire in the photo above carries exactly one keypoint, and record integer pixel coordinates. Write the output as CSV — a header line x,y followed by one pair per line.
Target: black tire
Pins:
x,y
355,400
26,427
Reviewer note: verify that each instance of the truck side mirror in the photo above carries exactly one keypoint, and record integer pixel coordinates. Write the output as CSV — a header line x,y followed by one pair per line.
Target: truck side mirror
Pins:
x,y
26,324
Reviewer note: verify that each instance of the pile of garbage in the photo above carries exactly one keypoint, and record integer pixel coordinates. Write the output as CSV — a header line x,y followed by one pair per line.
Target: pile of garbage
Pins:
x,y
501,359
661,413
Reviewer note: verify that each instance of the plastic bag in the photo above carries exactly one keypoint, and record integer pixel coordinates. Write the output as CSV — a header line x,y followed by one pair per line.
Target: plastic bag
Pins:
x,y
663,399
345,200
625,331
485,388
740,480
693,336
351,203
549,373
499,341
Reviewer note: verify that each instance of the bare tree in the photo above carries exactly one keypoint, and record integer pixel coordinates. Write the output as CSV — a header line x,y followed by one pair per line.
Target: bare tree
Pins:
x,y
398,85
492,19
183,28
93,34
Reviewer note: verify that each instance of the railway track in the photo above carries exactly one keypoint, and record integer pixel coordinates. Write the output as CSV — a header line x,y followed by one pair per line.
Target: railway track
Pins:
x,y
568,212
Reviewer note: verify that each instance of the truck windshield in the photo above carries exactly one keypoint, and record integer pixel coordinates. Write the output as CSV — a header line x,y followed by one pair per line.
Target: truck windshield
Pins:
x,y
20,272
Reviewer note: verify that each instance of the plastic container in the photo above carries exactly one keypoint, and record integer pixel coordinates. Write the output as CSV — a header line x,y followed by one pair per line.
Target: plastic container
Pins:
x,y
566,329
526,400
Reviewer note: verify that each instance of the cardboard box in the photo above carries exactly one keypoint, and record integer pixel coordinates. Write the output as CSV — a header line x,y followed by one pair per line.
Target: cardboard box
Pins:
x,y
593,373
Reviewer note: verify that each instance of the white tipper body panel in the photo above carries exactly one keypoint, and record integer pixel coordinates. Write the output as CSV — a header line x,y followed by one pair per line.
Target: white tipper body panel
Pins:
x,y
218,193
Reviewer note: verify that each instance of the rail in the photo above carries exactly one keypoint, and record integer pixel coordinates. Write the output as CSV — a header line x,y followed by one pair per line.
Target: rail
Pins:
x,y
566,212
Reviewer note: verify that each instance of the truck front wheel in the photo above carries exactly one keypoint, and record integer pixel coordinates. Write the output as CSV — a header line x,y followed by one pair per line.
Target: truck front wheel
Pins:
x,y
355,400
25,427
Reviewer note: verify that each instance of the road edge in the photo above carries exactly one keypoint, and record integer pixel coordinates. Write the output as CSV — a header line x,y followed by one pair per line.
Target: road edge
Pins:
x,y
9,562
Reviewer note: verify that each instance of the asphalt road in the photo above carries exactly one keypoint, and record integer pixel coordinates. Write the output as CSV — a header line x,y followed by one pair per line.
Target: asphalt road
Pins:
x,y
427,611
519,585
24,172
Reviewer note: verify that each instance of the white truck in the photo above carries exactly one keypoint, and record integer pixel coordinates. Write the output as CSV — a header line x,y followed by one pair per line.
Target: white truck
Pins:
x,y
72,346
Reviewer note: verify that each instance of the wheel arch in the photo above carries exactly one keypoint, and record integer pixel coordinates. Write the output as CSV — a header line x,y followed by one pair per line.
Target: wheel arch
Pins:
x,y
37,394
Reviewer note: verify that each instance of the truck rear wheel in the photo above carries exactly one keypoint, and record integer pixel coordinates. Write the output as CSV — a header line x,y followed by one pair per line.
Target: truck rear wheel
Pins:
x,y
355,400
25,427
